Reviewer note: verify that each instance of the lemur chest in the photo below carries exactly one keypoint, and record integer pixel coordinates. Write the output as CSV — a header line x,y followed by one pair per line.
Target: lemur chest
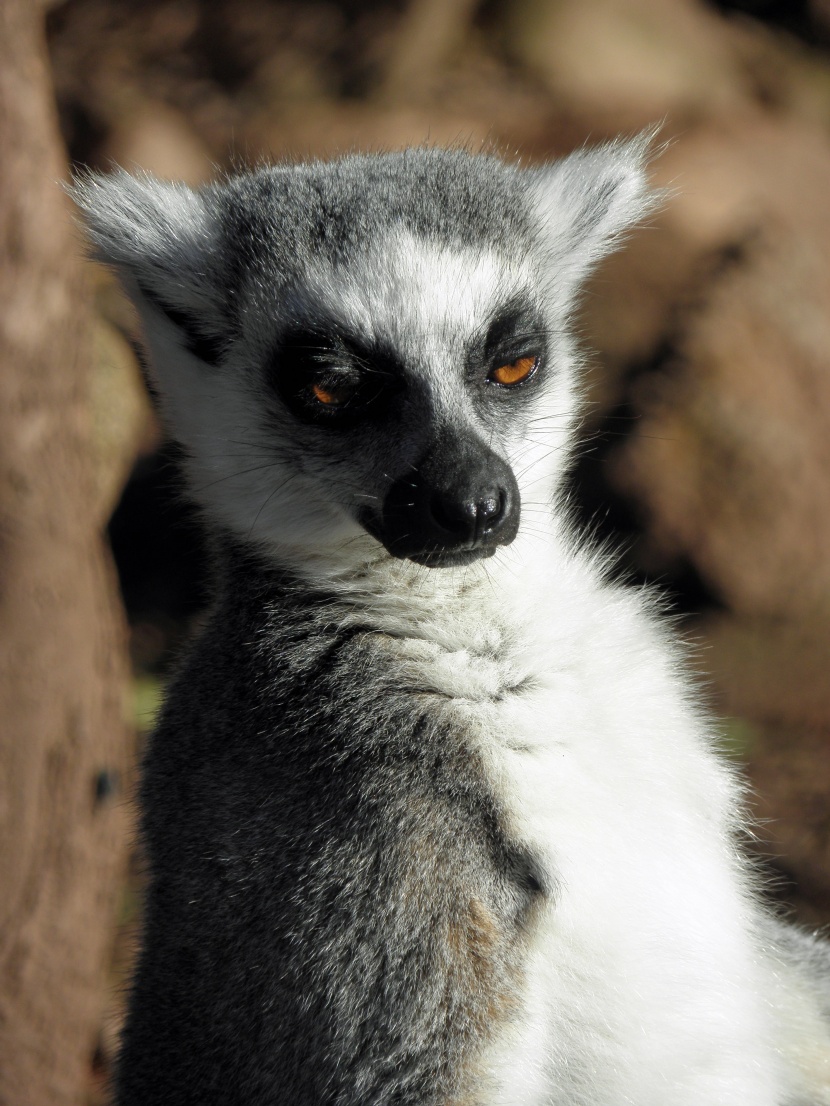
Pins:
x,y
639,902
619,811
570,785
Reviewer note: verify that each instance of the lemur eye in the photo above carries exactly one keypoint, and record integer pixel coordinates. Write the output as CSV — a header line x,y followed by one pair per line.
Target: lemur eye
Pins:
x,y
514,372
334,395
333,380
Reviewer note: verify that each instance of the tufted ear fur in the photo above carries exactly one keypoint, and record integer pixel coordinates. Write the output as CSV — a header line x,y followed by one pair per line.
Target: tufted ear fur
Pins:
x,y
162,239
587,201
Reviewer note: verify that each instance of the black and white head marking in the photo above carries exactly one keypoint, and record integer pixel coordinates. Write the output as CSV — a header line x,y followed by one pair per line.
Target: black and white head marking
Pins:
x,y
371,354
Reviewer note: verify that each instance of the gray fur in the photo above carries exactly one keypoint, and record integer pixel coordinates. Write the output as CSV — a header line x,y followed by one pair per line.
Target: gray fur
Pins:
x,y
313,846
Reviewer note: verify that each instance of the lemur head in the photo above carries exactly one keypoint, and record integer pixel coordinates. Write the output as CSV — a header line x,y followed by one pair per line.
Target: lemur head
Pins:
x,y
369,354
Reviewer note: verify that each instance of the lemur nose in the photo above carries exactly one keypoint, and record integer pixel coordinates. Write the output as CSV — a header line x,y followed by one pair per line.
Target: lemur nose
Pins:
x,y
469,520
458,504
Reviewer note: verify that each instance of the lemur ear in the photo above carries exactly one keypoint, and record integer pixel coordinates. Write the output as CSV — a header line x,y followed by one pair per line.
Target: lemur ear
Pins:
x,y
588,200
161,238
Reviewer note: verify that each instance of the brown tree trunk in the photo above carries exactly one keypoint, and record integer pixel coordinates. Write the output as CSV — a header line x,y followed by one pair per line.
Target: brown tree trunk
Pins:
x,y
63,732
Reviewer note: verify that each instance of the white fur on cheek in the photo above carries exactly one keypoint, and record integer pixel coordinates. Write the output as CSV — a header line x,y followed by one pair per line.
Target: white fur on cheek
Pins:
x,y
234,460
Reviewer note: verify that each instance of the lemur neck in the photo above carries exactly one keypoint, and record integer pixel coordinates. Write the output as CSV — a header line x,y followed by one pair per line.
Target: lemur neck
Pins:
x,y
456,608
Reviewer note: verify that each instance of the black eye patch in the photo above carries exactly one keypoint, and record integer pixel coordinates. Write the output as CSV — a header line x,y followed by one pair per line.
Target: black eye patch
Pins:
x,y
506,359
332,378
515,331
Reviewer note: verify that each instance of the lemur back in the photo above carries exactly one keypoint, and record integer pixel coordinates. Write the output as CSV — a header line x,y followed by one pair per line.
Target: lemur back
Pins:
x,y
432,815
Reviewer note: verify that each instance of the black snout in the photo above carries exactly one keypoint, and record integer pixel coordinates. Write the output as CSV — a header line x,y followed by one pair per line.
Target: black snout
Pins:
x,y
457,505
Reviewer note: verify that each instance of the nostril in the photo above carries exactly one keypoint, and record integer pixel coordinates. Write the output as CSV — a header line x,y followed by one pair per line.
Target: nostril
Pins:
x,y
458,517
489,511
470,519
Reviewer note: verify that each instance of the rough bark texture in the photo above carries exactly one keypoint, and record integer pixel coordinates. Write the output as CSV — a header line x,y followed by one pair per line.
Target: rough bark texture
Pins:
x,y
62,665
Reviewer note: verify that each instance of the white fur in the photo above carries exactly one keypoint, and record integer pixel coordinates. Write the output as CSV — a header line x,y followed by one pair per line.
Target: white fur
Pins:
x,y
647,983
588,202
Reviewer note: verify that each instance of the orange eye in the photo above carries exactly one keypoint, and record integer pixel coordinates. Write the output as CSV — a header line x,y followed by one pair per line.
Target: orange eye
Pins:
x,y
334,396
515,372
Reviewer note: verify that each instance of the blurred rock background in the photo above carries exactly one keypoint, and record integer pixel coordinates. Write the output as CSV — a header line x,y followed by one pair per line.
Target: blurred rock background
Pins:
x,y
706,452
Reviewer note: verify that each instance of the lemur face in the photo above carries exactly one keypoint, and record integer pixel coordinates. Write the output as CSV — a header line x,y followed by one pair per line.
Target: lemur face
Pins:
x,y
369,358
410,378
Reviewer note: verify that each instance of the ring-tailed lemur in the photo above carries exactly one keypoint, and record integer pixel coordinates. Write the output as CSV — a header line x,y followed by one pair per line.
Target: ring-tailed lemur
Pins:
x,y
432,816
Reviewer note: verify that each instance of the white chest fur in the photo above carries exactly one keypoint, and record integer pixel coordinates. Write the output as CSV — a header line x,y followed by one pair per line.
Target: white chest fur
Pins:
x,y
643,986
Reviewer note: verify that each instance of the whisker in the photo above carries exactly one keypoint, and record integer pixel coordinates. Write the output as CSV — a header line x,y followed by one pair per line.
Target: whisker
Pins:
x,y
234,475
